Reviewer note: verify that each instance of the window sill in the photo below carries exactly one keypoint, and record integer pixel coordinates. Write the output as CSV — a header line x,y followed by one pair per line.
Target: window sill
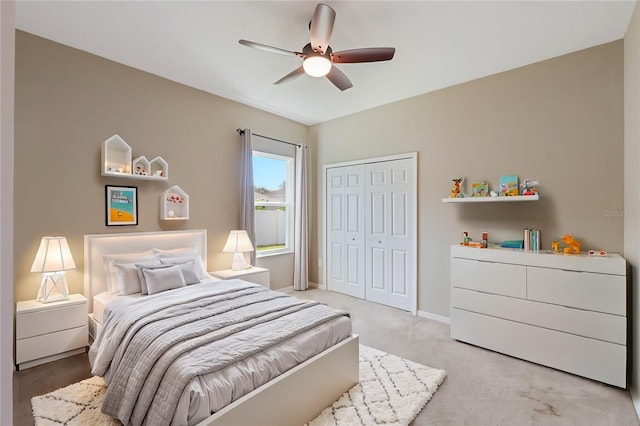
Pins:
x,y
271,254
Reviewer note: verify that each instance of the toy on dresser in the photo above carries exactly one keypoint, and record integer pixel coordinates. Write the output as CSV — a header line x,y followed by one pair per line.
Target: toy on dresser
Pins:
x,y
573,246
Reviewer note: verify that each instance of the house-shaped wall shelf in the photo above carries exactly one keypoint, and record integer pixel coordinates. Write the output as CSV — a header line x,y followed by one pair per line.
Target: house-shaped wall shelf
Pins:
x,y
174,204
116,157
116,162
141,167
159,168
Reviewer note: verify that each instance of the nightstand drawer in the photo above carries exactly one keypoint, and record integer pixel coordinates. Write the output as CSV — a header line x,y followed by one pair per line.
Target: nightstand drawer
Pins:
x,y
49,344
36,323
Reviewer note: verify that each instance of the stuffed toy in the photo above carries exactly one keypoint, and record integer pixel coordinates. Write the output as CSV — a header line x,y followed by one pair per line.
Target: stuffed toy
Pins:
x,y
572,245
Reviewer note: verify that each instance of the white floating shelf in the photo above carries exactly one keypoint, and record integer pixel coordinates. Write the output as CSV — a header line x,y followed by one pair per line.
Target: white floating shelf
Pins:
x,y
511,199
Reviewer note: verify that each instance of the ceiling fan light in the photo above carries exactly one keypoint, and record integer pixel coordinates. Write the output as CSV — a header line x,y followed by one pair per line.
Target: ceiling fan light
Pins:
x,y
316,66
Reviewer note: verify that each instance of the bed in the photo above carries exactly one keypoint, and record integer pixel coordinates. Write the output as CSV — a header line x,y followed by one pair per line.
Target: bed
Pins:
x,y
293,397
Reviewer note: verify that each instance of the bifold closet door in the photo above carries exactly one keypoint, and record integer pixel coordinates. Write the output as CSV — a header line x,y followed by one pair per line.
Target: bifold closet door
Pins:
x,y
345,230
389,259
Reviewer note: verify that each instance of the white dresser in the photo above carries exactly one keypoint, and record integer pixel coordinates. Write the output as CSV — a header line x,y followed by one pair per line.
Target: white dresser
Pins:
x,y
564,311
49,331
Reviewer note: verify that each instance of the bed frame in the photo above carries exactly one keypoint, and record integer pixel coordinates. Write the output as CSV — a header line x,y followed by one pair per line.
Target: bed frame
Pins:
x,y
293,398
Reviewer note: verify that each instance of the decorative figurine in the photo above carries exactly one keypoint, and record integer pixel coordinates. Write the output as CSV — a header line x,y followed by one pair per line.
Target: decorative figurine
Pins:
x,y
528,187
555,246
455,191
573,246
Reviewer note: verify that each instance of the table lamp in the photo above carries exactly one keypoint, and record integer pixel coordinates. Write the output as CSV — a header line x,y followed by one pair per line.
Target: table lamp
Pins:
x,y
52,259
238,243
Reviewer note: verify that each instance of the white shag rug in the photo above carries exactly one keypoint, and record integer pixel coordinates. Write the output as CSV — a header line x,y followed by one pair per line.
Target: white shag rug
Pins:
x,y
392,391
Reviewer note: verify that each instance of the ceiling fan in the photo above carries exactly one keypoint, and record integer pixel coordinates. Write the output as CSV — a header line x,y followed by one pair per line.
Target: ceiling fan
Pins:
x,y
319,58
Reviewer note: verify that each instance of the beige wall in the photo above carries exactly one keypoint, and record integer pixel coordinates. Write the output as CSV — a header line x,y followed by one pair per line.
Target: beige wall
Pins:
x,y
631,179
68,102
7,59
559,121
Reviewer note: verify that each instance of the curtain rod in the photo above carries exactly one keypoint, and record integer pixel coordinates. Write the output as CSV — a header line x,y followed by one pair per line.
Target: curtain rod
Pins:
x,y
240,131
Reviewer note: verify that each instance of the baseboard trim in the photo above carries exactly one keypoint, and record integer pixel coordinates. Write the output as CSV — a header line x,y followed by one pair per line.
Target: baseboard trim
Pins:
x,y
435,317
635,398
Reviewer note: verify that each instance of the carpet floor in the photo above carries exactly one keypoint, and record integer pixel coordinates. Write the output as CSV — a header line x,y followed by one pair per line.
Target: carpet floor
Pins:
x,y
392,391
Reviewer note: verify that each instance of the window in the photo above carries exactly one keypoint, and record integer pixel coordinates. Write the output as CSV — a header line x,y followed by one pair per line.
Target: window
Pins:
x,y
273,180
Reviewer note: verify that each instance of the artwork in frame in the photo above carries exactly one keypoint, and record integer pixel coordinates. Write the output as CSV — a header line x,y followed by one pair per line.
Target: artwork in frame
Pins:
x,y
121,205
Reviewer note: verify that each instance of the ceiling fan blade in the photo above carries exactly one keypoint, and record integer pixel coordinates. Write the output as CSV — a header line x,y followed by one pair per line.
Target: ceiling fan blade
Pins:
x,y
338,78
368,54
321,27
271,49
291,76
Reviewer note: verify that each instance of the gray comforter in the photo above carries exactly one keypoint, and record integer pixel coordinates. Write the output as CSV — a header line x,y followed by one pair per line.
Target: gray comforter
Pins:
x,y
149,348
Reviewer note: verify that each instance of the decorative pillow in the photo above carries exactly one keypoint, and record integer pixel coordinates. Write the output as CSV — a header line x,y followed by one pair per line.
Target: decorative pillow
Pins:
x,y
162,279
127,278
200,270
143,280
188,272
109,259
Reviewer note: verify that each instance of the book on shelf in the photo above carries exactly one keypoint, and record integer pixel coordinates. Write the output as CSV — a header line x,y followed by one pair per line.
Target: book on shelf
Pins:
x,y
508,186
532,239
480,189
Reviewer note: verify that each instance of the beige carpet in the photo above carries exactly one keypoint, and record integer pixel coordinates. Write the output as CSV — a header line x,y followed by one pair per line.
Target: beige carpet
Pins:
x,y
392,391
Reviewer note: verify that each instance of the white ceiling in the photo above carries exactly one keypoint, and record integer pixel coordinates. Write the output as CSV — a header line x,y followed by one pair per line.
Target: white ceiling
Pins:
x,y
438,43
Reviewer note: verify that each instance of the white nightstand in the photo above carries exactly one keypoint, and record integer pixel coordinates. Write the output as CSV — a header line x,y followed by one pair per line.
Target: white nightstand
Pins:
x,y
255,274
49,331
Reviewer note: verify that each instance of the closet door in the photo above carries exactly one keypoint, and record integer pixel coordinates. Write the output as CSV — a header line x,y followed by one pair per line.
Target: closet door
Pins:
x,y
345,230
390,233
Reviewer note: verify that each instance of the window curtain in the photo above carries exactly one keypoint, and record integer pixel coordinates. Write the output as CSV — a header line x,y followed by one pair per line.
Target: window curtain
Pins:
x,y
300,234
247,207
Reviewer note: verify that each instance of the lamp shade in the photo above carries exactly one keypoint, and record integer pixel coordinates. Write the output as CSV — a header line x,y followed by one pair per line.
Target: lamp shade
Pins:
x,y
53,256
316,66
238,242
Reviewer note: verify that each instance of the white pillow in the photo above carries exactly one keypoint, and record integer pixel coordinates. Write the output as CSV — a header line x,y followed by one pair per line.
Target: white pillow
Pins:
x,y
200,270
109,272
127,278
162,279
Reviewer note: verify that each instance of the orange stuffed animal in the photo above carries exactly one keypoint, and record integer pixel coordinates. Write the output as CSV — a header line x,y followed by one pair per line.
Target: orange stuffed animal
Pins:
x,y
573,247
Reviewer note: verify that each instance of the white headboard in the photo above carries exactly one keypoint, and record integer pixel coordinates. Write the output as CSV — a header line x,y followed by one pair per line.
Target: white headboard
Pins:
x,y
97,245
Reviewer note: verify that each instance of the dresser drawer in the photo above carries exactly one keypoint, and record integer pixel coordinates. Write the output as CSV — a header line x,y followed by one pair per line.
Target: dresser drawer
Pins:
x,y
603,361
35,323
584,290
489,277
50,344
595,325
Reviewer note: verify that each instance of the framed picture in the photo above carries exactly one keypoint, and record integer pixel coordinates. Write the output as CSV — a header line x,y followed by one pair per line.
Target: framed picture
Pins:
x,y
121,205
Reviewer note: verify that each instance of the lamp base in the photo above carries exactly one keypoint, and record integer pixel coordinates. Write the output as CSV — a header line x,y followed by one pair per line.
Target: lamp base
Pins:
x,y
53,287
238,262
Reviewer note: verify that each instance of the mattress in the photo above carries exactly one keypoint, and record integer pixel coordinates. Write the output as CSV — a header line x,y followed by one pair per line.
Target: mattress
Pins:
x,y
100,302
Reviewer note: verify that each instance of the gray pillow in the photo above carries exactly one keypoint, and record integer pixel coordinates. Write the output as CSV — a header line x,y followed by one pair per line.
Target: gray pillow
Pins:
x,y
163,279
